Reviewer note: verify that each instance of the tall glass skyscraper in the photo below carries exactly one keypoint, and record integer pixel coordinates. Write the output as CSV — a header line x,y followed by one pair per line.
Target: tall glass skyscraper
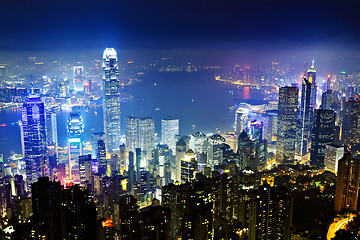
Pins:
x,y
34,136
287,116
169,130
111,104
75,144
303,122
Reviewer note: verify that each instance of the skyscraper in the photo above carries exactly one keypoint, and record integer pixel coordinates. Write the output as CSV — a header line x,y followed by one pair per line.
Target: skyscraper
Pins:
x,y
111,104
147,136
322,134
180,155
287,115
347,184
140,133
75,144
350,136
132,133
333,154
303,121
34,135
169,130
311,74
101,157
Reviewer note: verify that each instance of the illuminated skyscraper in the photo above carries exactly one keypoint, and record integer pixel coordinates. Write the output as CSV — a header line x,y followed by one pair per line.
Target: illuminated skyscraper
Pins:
x,y
101,157
322,134
351,127
180,155
169,131
287,115
79,78
147,136
347,184
140,133
215,153
311,74
303,122
132,133
75,144
34,133
111,104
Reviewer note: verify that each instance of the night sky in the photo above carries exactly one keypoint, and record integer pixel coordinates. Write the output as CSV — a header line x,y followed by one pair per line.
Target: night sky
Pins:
x,y
163,25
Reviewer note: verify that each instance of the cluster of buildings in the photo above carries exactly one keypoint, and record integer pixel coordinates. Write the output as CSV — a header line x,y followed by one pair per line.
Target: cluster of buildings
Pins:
x,y
232,185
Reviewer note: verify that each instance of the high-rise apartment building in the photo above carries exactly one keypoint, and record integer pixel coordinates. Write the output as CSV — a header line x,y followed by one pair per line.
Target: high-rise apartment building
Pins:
x,y
347,183
287,116
111,104
169,131
333,154
351,126
34,136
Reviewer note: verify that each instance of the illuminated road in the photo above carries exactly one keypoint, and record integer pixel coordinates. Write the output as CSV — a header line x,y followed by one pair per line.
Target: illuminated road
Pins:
x,y
341,224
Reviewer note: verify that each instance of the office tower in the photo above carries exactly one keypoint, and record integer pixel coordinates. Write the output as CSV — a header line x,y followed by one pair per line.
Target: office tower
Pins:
x,y
303,120
131,173
85,168
270,125
147,136
169,131
34,136
286,131
132,133
123,163
188,166
95,137
215,153
255,130
241,117
46,202
245,151
101,157
333,153
180,154
322,134
347,184
78,78
138,163
198,142
231,140
311,75
75,144
351,126
326,100
165,159
111,102
51,128
115,164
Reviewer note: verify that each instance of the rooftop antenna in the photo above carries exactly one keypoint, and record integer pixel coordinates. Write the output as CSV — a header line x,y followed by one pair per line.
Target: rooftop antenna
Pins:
x,y
32,84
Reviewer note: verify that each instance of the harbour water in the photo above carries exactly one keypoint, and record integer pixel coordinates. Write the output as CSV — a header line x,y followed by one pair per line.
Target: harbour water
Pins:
x,y
196,98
